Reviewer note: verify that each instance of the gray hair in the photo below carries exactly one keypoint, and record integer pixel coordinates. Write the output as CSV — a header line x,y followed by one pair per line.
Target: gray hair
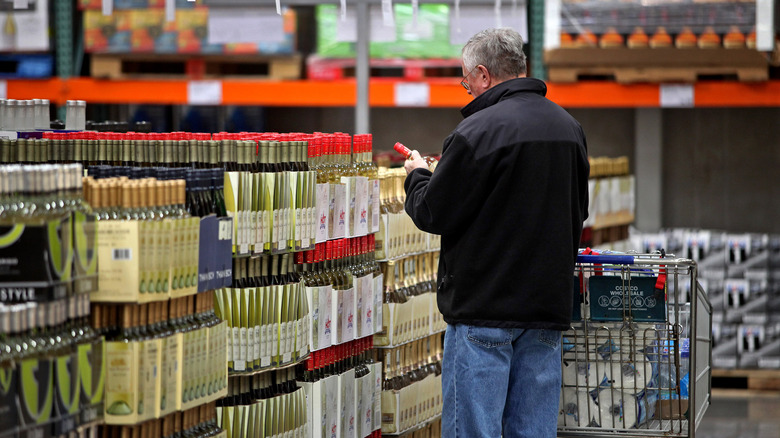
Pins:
x,y
499,50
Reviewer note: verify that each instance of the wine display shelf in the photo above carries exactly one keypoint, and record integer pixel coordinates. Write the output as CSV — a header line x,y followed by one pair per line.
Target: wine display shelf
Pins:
x,y
412,254
416,427
389,347
268,369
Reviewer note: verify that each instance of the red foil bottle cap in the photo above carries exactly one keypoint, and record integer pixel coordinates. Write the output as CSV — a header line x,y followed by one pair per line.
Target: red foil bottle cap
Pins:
x,y
403,150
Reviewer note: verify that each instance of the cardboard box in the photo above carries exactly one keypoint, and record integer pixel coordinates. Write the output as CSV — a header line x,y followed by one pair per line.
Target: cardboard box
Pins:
x,y
430,39
146,30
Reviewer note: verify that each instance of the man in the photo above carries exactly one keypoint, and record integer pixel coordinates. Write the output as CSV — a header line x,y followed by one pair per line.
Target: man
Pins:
x,y
508,198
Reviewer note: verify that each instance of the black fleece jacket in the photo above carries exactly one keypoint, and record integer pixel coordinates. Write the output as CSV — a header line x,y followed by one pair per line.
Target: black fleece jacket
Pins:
x,y
508,198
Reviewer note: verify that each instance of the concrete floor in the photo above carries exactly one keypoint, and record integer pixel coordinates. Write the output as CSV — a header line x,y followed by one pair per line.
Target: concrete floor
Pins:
x,y
733,414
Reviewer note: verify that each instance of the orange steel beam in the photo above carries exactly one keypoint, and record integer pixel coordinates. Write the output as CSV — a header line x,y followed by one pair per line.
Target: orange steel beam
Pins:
x,y
736,94
443,92
603,95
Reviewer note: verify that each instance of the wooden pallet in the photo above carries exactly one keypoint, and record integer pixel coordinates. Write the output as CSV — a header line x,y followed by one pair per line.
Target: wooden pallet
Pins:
x,y
196,67
764,380
627,75
333,68
626,65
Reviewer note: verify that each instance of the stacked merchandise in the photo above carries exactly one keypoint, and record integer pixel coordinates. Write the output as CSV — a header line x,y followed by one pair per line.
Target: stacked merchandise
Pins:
x,y
612,202
410,33
165,346
341,283
397,235
23,115
226,261
665,41
145,26
661,24
410,341
626,358
740,273
610,376
51,359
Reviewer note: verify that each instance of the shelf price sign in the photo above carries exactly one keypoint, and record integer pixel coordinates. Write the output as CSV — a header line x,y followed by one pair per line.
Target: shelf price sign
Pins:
x,y
412,94
204,92
676,96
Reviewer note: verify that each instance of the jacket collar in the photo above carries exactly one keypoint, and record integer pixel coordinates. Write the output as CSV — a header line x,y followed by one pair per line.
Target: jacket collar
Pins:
x,y
502,91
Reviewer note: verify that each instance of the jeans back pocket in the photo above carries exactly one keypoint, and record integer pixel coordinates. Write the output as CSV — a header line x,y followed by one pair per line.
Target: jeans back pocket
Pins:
x,y
489,337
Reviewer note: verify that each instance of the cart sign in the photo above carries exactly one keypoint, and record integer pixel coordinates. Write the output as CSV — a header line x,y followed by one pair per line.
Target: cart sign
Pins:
x,y
616,299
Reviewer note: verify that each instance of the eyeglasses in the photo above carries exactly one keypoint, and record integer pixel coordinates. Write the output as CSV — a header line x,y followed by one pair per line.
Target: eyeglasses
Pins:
x,y
464,82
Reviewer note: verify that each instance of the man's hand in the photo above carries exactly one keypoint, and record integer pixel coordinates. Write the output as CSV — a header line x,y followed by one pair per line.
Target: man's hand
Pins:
x,y
414,162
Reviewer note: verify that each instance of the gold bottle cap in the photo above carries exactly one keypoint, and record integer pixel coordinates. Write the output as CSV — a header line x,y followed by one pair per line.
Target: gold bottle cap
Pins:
x,y
151,194
169,189
159,188
142,192
181,191
127,197
97,194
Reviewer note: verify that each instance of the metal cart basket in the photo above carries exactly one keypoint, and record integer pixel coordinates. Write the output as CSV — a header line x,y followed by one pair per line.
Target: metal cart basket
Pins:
x,y
636,361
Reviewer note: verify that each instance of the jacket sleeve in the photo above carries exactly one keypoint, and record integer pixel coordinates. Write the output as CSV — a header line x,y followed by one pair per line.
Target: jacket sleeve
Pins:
x,y
443,201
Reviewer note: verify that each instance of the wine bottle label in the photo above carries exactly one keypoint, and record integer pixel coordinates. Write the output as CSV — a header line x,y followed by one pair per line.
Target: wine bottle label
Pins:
x,y
238,357
122,395
378,283
323,213
375,201
118,275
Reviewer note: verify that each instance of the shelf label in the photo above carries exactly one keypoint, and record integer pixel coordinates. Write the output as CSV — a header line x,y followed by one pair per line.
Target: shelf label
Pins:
x,y
20,4
204,92
412,94
107,6
765,34
676,96
388,18
3,89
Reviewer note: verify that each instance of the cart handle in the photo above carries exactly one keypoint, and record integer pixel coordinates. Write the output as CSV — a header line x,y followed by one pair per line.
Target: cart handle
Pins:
x,y
606,259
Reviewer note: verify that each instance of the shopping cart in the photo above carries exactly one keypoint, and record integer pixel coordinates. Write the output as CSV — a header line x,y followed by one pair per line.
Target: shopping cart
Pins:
x,y
636,361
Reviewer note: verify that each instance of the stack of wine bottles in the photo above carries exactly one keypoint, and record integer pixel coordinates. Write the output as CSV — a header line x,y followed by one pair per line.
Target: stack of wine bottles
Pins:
x,y
148,241
409,301
342,384
411,384
264,405
50,359
342,283
161,358
51,366
267,314
397,235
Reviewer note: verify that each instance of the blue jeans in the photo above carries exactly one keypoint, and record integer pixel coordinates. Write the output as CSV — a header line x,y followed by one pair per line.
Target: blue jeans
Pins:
x,y
500,382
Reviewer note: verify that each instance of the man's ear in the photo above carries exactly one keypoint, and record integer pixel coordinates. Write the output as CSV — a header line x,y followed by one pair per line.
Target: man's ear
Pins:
x,y
483,77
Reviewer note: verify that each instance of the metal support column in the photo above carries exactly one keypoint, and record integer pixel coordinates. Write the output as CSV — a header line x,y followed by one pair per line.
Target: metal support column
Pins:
x,y
536,39
648,141
63,32
362,108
